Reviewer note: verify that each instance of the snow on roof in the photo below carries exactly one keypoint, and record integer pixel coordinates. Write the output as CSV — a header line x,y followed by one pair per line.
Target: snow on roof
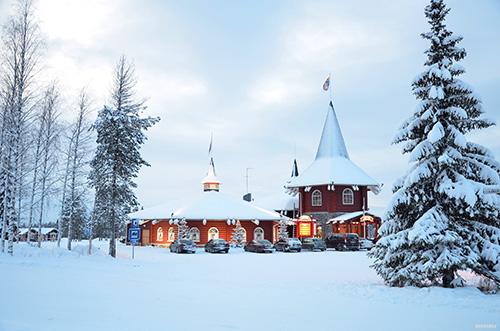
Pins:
x,y
280,201
213,205
209,205
162,211
347,216
44,230
332,164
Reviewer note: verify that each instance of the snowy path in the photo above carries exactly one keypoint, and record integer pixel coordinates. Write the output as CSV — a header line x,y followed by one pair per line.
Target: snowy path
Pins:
x,y
57,290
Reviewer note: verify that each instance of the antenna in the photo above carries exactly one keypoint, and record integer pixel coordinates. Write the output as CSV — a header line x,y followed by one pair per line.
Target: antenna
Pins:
x,y
246,177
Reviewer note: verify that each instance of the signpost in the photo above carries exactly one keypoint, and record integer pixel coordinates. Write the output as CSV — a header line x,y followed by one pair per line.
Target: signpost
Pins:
x,y
134,234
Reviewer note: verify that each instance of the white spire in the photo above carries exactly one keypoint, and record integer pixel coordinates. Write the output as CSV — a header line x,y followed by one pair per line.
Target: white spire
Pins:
x,y
332,142
210,182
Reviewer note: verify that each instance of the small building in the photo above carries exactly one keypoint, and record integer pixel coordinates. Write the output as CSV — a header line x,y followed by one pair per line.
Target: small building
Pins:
x,y
48,234
333,190
210,215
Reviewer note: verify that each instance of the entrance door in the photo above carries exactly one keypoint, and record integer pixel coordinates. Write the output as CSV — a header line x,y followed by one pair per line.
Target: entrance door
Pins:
x,y
145,237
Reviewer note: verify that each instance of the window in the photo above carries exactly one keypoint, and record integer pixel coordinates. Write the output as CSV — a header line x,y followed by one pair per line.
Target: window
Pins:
x,y
244,234
347,197
258,234
171,234
194,234
213,233
316,198
159,234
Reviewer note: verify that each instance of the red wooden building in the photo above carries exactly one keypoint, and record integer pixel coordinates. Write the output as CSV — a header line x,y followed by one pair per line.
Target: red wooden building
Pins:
x,y
211,214
333,190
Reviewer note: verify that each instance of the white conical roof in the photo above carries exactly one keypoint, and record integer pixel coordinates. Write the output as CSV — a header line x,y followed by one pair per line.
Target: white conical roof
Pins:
x,y
332,142
332,164
211,177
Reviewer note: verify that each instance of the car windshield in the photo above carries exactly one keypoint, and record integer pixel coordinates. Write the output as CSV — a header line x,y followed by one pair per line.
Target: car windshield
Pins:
x,y
351,236
293,240
264,242
186,241
219,241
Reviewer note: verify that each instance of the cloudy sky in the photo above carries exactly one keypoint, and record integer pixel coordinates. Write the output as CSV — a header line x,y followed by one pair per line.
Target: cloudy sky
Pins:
x,y
251,73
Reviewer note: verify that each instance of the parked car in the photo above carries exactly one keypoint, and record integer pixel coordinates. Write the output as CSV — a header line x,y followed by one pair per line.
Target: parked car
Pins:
x,y
365,243
217,246
259,246
314,244
343,241
183,246
288,245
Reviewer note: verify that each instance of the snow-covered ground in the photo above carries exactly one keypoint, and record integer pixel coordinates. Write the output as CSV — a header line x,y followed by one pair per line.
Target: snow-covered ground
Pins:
x,y
51,289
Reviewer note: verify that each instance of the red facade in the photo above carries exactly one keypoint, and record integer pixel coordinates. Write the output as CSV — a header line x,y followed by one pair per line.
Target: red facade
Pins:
x,y
332,201
163,233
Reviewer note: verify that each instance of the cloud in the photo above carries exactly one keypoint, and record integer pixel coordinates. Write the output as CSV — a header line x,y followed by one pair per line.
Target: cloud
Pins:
x,y
80,22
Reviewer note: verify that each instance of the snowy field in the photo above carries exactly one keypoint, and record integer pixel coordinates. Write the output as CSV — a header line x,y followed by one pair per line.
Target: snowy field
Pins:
x,y
52,289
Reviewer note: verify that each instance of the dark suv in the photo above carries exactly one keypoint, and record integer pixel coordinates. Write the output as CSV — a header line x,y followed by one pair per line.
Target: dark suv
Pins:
x,y
343,241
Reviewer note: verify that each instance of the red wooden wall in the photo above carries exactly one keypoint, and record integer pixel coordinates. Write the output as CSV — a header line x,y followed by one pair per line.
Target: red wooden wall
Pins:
x,y
332,200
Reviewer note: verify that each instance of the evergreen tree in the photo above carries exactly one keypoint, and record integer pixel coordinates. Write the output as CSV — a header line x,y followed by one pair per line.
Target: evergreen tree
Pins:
x,y
238,235
120,134
183,229
444,214
74,213
282,230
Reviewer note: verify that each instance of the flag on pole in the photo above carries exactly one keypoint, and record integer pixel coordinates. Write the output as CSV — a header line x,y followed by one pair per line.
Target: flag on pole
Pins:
x,y
326,84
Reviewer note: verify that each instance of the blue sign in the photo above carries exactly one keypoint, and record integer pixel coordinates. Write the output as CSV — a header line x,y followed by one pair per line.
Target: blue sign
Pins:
x,y
87,232
134,235
135,223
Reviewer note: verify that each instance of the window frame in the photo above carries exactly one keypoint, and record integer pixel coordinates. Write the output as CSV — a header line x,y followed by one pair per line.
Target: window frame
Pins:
x,y
217,231
345,193
198,234
171,234
254,232
159,233
315,195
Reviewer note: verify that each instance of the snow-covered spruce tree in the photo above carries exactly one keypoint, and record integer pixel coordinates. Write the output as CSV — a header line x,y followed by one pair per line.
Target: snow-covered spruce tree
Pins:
x,y
76,213
238,235
282,230
120,134
183,229
444,215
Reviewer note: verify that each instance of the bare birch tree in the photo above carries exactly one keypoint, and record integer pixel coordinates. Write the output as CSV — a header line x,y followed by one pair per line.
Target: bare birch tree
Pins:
x,y
78,165
50,136
20,55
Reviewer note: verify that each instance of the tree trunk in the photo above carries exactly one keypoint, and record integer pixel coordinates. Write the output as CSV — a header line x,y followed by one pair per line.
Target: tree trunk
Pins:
x,y
448,277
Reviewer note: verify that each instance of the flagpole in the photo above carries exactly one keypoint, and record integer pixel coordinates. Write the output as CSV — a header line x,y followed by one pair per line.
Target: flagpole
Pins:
x,y
330,87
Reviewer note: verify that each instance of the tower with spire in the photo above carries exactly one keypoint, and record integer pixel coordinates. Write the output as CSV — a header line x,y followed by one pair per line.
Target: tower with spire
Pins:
x,y
211,182
332,185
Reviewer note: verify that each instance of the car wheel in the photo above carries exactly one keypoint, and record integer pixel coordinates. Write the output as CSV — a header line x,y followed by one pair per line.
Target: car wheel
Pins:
x,y
299,250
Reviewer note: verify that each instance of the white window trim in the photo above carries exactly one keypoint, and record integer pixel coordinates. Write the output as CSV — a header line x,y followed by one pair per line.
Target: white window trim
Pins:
x,y
171,231
158,232
315,193
217,231
263,233
198,234
344,196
